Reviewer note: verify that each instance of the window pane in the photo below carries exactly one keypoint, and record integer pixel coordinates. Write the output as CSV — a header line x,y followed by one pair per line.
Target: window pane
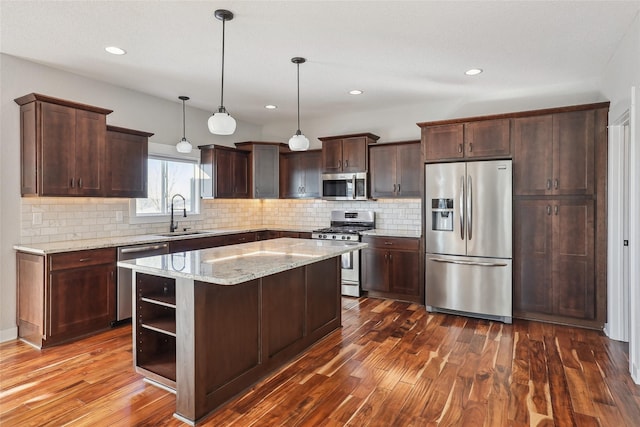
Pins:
x,y
153,204
165,179
181,180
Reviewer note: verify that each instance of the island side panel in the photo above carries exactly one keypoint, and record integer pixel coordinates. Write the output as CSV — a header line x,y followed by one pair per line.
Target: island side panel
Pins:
x,y
324,308
189,393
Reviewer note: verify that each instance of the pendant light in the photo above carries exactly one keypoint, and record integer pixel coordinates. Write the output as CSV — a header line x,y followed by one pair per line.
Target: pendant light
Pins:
x,y
183,146
298,142
221,123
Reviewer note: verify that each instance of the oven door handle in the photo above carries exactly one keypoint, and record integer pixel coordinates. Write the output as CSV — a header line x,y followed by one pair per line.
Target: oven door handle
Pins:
x,y
346,261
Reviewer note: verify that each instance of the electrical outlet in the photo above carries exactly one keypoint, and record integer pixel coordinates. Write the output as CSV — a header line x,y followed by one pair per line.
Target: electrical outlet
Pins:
x,y
37,218
118,216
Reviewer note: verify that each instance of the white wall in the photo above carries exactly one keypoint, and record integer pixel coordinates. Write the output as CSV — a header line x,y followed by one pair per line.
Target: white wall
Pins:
x,y
131,110
621,74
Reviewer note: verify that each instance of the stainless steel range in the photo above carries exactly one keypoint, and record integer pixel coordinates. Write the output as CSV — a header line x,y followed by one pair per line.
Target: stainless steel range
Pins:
x,y
347,226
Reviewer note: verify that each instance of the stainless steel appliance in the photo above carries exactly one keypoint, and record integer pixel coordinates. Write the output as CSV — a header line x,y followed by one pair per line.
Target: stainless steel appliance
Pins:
x,y
124,296
344,186
468,232
347,225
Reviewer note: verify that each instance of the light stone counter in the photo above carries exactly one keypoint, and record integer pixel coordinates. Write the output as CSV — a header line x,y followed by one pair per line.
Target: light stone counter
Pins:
x,y
109,242
379,232
230,265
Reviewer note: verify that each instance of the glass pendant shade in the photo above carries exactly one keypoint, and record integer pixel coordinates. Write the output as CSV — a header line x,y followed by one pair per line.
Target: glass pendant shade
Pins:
x,y
183,146
298,142
221,123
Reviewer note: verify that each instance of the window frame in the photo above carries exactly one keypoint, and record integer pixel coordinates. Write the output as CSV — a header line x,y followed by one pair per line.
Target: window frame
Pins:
x,y
168,152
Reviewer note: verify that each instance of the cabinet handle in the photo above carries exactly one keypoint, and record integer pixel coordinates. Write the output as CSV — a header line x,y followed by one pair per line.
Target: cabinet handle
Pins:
x,y
346,163
257,190
339,164
548,210
304,190
394,188
470,147
72,183
555,183
398,188
459,148
79,182
555,209
549,184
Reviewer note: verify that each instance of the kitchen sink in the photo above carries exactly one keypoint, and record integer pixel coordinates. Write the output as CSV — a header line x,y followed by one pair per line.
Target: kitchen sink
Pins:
x,y
181,233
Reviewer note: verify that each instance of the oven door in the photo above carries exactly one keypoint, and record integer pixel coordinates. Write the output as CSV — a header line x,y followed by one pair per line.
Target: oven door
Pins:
x,y
350,263
344,186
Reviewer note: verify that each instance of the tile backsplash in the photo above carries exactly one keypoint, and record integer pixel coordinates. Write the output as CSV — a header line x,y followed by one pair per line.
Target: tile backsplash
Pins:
x,y
47,219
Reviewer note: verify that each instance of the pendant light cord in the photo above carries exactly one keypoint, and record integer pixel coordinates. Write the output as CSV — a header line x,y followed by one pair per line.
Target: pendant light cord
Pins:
x,y
222,88
184,129
298,68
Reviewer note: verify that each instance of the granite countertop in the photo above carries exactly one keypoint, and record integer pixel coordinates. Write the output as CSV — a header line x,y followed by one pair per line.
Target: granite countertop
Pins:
x,y
109,242
230,265
379,232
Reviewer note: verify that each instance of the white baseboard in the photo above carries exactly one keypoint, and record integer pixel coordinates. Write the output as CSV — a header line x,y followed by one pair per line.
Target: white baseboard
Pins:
x,y
8,334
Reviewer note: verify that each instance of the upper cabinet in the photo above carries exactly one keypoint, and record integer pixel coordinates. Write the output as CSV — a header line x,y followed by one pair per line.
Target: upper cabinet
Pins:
x,y
264,160
126,162
470,139
346,153
62,147
225,172
300,174
554,154
395,170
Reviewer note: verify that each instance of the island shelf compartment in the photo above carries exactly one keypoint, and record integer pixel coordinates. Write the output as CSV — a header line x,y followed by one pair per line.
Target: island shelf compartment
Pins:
x,y
155,343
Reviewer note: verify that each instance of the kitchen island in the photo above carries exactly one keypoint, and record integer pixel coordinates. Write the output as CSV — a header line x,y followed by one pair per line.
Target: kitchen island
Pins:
x,y
210,323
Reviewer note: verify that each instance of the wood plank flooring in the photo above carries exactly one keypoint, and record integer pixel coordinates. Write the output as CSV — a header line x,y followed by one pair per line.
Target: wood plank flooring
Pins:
x,y
392,364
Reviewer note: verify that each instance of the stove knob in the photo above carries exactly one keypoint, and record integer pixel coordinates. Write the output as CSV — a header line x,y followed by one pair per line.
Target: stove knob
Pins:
x,y
333,237
344,237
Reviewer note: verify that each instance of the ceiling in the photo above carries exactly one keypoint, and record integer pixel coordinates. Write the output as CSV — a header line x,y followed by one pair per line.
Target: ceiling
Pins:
x,y
398,52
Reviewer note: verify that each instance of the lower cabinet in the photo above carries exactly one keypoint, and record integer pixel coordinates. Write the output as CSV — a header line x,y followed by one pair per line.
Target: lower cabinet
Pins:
x,y
66,295
554,260
391,268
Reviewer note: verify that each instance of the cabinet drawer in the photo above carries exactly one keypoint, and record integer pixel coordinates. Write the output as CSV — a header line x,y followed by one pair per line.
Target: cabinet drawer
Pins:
x,y
63,261
404,243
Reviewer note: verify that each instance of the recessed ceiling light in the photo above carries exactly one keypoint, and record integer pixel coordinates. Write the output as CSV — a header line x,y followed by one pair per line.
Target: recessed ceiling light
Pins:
x,y
355,92
115,50
270,107
473,71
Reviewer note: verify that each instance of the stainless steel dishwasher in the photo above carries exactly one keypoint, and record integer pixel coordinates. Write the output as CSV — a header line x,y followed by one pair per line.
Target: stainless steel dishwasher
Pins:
x,y
124,295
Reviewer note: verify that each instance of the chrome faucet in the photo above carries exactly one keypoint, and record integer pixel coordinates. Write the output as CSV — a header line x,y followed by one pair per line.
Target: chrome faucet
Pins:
x,y
173,227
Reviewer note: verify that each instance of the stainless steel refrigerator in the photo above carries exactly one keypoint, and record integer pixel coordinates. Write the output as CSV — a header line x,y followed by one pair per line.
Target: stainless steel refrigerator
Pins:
x,y
468,232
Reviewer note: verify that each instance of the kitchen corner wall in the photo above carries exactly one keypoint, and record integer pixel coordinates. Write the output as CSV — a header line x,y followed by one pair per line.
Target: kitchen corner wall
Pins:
x,y
90,218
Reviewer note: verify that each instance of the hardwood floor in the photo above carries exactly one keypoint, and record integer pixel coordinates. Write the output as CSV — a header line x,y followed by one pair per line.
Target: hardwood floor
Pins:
x,y
392,364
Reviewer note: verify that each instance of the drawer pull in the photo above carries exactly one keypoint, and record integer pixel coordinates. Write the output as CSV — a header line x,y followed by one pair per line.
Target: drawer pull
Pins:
x,y
84,259
388,243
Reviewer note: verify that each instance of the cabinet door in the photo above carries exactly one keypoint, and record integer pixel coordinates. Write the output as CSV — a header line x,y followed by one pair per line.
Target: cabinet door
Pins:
x,y
332,155
375,268
533,155
573,259
126,169
443,142
224,172
383,170
404,272
288,179
207,170
58,149
265,171
409,170
489,138
573,157
81,300
89,152
310,165
533,256
354,154
240,174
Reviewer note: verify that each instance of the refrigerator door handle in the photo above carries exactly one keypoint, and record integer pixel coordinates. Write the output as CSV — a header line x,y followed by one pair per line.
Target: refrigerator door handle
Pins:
x,y
461,205
469,208
482,264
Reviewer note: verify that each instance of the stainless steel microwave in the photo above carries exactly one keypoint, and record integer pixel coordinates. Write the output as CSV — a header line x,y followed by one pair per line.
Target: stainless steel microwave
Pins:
x,y
344,186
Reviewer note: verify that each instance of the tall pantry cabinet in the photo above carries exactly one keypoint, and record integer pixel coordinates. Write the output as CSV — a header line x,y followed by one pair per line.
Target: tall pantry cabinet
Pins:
x,y
560,167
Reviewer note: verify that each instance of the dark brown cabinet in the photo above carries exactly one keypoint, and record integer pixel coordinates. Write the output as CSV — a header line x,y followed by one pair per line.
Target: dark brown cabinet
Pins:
x,y
300,174
62,147
560,242
466,140
555,246
126,162
225,172
554,154
65,296
264,168
346,153
391,267
395,170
